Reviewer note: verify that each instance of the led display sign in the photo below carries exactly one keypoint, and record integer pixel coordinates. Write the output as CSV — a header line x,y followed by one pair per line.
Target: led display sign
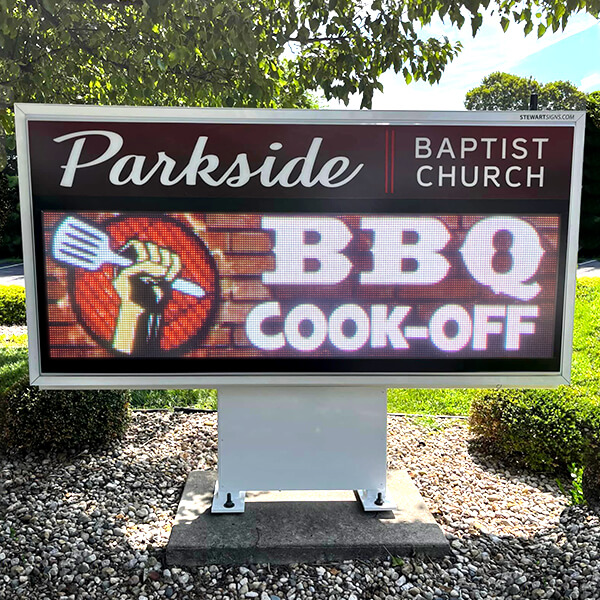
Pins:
x,y
197,247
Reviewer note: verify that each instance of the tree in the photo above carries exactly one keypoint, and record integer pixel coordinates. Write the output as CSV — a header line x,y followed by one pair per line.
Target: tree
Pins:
x,y
589,240
502,91
561,95
235,52
594,108
254,53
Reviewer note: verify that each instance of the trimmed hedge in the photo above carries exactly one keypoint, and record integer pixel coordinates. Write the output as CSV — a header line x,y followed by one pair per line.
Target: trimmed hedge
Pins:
x,y
590,482
36,419
551,430
548,430
12,305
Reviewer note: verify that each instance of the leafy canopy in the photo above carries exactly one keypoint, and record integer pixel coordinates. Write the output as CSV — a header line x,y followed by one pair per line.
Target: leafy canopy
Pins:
x,y
236,52
593,106
502,91
254,53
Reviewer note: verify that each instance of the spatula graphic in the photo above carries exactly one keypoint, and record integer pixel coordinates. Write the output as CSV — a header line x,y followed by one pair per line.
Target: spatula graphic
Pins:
x,y
79,244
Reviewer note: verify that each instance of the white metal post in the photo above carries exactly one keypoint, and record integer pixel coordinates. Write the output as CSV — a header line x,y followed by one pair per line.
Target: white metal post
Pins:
x,y
301,438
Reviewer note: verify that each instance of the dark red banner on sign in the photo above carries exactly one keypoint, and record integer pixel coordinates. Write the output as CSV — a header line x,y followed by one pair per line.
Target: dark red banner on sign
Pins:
x,y
268,244
200,160
236,286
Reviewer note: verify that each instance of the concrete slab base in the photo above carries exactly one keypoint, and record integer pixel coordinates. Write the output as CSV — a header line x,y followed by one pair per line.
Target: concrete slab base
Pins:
x,y
292,527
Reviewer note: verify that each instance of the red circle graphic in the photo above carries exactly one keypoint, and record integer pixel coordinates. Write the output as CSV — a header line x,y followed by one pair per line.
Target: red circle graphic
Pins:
x,y
184,316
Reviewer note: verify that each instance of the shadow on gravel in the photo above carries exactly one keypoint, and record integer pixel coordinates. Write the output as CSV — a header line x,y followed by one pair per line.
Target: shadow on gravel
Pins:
x,y
95,525
560,562
515,471
66,518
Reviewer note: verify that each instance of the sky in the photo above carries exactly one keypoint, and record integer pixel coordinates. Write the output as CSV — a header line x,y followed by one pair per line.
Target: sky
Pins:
x,y
571,55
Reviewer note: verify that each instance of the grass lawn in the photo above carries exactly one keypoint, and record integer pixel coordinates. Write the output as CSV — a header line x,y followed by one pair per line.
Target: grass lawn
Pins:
x,y
13,360
586,336
206,399
13,366
586,369
430,402
585,365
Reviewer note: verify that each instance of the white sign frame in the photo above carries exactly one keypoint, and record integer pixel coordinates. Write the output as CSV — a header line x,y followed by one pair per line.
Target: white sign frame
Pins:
x,y
30,112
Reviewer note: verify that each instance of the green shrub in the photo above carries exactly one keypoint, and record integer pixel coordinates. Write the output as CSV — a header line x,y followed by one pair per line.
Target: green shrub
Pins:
x,y
547,430
36,419
12,305
10,220
550,429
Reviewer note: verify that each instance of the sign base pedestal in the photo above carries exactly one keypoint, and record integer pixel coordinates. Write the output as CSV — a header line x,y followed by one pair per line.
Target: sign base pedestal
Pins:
x,y
374,500
292,527
228,502
301,438
235,502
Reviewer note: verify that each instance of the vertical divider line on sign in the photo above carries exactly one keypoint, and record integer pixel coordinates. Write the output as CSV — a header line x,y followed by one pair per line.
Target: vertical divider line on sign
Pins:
x,y
386,159
392,160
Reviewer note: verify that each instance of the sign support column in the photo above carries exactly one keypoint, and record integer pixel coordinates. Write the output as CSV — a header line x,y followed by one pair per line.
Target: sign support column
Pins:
x,y
301,438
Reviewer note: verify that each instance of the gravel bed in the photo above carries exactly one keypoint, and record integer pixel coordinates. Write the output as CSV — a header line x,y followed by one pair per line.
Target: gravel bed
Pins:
x,y
95,525
10,330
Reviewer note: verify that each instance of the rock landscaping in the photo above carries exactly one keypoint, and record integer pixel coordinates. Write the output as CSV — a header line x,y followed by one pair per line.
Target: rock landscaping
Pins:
x,y
10,330
94,525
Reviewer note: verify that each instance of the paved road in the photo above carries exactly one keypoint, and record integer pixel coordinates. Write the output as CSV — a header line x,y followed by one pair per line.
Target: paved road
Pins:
x,y
589,268
12,274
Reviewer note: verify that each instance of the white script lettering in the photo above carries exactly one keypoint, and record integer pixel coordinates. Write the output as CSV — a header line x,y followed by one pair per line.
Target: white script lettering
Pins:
x,y
139,169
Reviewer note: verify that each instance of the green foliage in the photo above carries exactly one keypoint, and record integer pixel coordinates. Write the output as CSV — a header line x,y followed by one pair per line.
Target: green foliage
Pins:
x,y
593,107
561,95
585,365
204,399
34,419
576,485
257,53
503,91
63,420
13,340
589,240
12,305
235,53
13,363
590,480
547,429
550,429
159,52
396,561
7,199
10,224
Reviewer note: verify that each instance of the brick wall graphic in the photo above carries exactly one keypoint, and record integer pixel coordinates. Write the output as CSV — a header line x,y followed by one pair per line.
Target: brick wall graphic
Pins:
x,y
83,306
